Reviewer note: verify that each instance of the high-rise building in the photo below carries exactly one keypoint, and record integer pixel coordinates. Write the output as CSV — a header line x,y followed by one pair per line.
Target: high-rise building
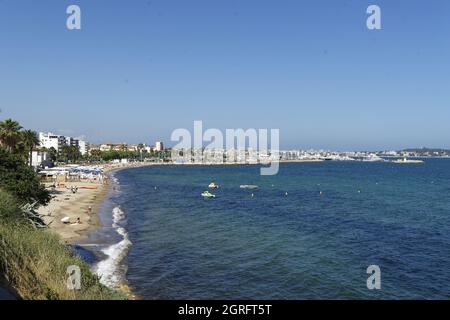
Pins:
x,y
159,146
83,147
49,140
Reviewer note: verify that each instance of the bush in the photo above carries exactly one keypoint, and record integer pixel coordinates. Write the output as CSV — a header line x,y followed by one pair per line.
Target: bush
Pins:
x,y
34,262
8,208
20,180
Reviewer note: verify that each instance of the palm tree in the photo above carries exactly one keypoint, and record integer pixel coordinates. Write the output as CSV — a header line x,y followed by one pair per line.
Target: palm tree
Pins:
x,y
30,140
52,153
10,134
70,153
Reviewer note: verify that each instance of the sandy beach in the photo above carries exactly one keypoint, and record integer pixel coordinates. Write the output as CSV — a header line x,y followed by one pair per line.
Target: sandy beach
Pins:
x,y
84,204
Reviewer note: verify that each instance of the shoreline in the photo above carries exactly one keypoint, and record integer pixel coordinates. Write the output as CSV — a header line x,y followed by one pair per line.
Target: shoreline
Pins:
x,y
6,292
93,195
73,205
85,204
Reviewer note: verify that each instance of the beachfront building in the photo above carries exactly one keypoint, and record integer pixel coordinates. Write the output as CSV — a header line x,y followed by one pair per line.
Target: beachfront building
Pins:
x,y
93,147
133,148
40,159
73,142
148,149
142,148
105,147
114,147
50,140
83,147
159,146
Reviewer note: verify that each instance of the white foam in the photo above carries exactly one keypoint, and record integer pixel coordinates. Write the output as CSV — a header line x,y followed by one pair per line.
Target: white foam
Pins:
x,y
116,183
109,268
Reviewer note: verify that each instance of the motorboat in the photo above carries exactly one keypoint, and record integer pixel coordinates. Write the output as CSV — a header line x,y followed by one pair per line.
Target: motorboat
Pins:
x,y
372,158
248,186
408,161
213,185
208,194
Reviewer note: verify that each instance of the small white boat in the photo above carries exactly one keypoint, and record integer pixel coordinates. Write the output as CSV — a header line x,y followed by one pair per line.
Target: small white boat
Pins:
x,y
213,185
248,186
372,158
208,194
408,161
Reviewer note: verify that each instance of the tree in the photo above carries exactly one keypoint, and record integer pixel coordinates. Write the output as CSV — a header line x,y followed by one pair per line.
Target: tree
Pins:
x,y
95,155
9,209
70,153
17,178
10,134
53,154
30,140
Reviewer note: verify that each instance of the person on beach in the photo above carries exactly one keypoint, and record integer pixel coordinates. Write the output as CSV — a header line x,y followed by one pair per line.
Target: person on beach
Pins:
x,y
78,220
74,189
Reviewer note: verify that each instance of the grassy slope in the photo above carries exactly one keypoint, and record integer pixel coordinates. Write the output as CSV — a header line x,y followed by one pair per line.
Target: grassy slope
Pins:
x,y
34,262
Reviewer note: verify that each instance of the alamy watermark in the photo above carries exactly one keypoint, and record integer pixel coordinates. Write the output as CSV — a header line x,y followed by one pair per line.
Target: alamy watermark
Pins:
x,y
74,278
374,20
374,280
237,146
73,21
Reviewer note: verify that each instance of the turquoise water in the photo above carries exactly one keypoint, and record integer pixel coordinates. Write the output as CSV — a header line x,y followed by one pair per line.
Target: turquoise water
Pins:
x,y
315,243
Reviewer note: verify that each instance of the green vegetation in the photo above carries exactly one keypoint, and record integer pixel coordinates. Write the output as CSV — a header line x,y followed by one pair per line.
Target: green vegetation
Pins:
x,y
10,135
69,154
20,179
16,140
32,260
34,263
30,140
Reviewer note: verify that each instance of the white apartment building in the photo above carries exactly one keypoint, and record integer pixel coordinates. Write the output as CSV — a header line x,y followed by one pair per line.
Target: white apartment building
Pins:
x,y
159,146
49,140
83,147
40,158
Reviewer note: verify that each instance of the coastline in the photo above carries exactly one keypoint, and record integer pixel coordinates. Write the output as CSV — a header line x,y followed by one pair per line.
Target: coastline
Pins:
x,y
87,201
77,205
85,204
6,293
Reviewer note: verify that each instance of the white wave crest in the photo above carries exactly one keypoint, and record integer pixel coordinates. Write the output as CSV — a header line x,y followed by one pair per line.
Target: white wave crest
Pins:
x,y
110,269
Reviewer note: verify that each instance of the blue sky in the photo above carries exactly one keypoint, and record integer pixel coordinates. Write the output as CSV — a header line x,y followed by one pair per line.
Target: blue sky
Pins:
x,y
140,69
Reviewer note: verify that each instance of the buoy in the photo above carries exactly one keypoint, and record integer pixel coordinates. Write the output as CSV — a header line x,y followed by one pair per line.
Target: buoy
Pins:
x,y
286,194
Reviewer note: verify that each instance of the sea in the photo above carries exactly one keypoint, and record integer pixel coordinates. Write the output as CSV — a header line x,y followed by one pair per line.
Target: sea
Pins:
x,y
309,232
